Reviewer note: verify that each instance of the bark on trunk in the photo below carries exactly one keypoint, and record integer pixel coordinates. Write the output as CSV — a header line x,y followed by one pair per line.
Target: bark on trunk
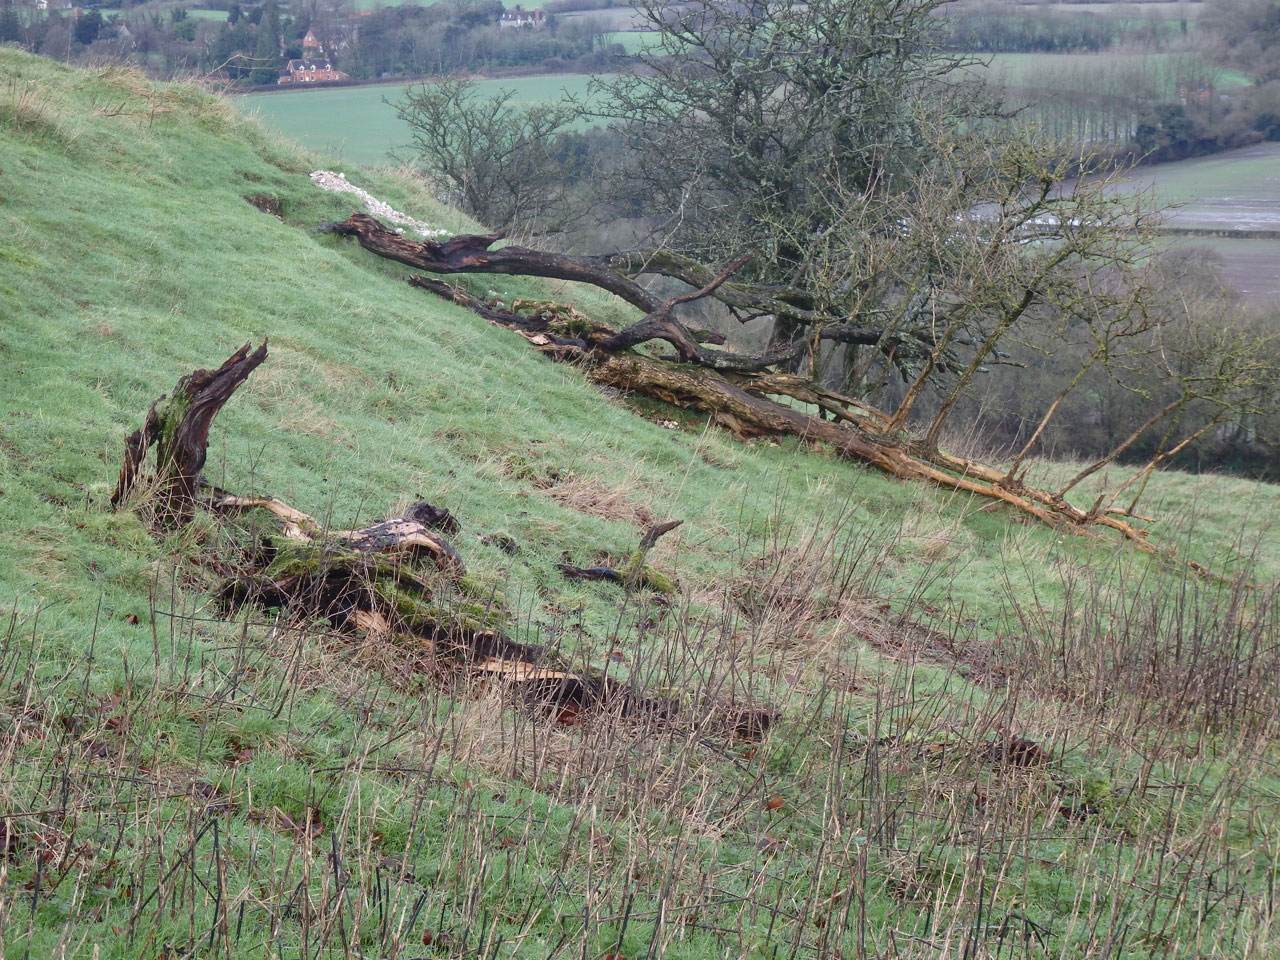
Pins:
x,y
740,404
178,427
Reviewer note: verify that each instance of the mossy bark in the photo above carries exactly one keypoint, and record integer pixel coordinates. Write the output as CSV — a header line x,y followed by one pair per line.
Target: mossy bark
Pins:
x,y
178,426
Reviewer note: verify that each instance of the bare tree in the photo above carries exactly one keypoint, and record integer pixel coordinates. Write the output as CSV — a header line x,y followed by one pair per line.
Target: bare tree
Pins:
x,y
494,156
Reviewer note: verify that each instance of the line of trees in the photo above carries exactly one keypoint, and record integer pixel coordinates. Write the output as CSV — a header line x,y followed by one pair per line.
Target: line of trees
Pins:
x,y
457,36
254,39
1002,28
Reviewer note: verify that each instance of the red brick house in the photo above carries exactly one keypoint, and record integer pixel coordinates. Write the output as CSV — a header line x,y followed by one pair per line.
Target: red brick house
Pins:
x,y
1195,93
310,71
519,17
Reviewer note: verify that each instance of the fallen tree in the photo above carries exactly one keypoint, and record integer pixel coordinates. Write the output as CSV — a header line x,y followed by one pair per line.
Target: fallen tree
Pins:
x,y
399,580
737,392
616,273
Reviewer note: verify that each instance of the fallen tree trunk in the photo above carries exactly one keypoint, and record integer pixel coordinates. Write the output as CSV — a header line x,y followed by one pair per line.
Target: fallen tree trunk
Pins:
x,y
399,578
615,273
733,392
373,580
410,534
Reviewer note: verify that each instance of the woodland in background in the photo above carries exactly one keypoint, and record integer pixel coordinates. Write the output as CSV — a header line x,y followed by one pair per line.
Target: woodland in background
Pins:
x,y
893,236
251,44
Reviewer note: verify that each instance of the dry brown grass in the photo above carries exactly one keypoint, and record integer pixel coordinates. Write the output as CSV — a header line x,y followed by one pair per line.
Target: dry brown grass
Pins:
x,y
589,496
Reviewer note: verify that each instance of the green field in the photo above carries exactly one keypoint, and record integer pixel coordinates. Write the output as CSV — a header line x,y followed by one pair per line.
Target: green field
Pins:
x,y
990,738
619,18
1249,176
634,41
355,124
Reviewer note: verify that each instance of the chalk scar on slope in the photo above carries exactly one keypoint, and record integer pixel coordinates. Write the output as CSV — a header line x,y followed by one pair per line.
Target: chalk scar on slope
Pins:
x,y
337,183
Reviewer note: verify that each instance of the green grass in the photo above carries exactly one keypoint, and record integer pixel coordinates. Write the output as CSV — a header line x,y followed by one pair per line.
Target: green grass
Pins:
x,y
176,784
634,41
354,123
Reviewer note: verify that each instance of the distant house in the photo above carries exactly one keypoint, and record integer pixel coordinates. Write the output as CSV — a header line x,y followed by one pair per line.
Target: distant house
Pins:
x,y
519,17
311,45
1195,93
310,71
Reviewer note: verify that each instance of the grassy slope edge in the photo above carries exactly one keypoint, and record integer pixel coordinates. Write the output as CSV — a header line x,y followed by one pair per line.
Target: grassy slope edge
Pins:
x,y
174,785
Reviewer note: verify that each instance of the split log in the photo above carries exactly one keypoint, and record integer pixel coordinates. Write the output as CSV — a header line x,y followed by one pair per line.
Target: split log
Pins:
x,y
372,578
363,580
178,427
470,253
402,535
859,432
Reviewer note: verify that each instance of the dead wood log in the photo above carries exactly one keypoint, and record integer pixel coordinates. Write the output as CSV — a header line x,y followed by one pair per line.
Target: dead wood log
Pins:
x,y
401,535
702,381
615,272
370,578
469,253
635,573
367,580
747,414
178,427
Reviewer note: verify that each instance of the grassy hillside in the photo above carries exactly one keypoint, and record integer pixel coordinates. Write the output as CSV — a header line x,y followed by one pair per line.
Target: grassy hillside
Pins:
x,y
993,739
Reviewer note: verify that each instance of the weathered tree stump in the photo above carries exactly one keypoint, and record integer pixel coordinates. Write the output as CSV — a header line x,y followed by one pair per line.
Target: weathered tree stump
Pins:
x,y
178,427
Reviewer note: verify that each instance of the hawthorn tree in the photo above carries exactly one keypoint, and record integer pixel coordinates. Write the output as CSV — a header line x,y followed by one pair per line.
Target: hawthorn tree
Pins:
x,y
827,167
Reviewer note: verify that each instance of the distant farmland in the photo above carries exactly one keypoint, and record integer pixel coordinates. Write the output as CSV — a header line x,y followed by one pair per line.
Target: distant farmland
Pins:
x,y
357,126
1227,192
1220,195
1236,190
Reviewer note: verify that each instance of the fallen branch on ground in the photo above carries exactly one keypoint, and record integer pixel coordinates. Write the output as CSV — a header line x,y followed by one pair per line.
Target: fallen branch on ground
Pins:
x,y
635,573
734,391
399,580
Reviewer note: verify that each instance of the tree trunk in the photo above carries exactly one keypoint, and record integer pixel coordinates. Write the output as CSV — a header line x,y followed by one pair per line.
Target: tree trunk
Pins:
x,y
178,427
699,381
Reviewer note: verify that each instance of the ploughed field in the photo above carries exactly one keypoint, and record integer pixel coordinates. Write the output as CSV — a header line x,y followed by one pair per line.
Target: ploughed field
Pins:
x,y
1232,191
1229,203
